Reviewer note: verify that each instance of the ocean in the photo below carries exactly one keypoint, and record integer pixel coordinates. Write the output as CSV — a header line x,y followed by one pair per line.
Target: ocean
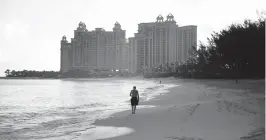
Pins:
x,y
66,108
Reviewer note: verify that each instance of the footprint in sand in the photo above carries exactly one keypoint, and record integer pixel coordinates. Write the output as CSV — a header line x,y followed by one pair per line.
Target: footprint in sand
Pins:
x,y
191,111
255,135
183,138
219,106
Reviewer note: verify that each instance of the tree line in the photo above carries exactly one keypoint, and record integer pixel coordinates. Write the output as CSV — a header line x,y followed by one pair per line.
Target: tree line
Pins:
x,y
32,73
235,52
57,74
95,73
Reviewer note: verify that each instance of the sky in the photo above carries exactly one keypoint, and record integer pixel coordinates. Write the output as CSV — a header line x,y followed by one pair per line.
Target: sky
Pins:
x,y
31,30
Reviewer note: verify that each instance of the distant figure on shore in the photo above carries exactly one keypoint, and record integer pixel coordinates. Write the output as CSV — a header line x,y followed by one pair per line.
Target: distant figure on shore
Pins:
x,y
134,99
160,82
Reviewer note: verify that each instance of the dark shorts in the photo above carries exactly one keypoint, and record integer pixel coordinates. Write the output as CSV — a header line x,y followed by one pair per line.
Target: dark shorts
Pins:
x,y
134,101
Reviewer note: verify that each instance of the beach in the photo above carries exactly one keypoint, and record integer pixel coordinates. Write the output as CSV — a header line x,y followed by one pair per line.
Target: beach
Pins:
x,y
193,110
63,109
99,109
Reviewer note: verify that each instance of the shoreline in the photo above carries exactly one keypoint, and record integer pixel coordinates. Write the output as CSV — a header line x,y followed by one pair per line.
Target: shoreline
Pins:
x,y
26,78
173,111
40,78
130,77
69,116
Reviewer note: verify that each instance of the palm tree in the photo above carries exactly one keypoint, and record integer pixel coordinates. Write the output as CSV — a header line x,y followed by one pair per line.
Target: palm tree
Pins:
x,y
7,72
13,73
24,73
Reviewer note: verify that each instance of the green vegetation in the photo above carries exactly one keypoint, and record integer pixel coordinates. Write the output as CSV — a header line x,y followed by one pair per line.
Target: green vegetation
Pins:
x,y
95,73
32,73
236,52
71,74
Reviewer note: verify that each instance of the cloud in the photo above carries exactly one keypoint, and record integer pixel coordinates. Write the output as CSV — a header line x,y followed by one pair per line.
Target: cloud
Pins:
x,y
9,29
16,29
31,33
1,57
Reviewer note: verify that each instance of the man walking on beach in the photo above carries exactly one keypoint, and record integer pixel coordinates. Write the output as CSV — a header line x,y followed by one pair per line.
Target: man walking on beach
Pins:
x,y
134,99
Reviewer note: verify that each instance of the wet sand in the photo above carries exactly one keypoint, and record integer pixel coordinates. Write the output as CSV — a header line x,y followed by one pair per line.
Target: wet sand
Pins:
x,y
195,110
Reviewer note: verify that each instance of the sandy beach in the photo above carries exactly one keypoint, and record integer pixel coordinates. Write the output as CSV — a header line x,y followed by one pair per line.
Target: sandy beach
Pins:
x,y
193,110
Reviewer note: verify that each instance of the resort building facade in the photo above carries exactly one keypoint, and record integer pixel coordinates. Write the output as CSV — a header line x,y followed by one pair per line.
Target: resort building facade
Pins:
x,y
97,49
155,44
160,42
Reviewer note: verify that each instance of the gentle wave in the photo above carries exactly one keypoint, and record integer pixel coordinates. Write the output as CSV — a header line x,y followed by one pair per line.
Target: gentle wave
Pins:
x,y
49,109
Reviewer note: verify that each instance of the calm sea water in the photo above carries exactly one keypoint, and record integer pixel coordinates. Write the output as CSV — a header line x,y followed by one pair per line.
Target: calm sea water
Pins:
x,y
51,109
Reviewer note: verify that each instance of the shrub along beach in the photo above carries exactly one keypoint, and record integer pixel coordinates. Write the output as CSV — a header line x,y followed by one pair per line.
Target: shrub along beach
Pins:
x,y
235,52
209,106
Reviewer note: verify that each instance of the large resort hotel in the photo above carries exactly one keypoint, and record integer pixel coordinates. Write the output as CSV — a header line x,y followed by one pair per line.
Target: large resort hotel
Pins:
x,y
155,43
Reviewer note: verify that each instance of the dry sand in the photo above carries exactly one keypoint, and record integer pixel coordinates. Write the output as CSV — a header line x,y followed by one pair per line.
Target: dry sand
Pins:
x,y
195,110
